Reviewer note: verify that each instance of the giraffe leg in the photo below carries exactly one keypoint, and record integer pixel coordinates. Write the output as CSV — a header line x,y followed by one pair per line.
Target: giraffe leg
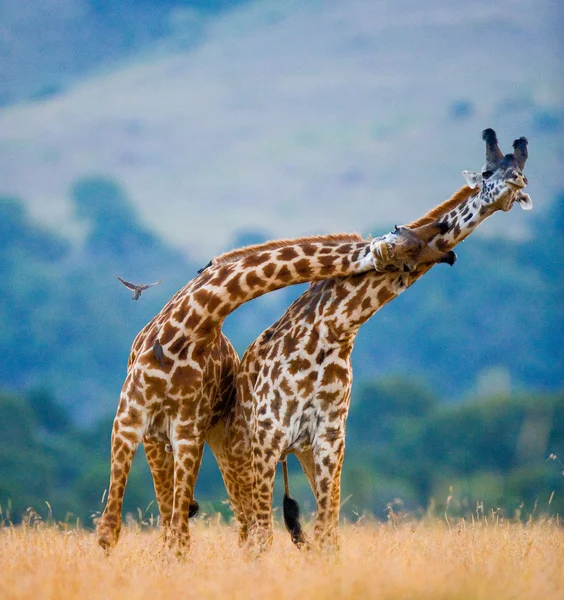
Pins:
x,y
328,464
265,460
187,460
231,447
126,437
237,491
161,464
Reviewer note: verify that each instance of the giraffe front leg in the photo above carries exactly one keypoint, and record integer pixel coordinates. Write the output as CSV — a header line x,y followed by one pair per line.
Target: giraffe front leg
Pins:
x,y
328,461
187,461
126,437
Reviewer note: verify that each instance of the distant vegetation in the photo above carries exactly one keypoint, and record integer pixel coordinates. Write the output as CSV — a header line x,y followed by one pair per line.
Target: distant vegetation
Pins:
x,y
406,451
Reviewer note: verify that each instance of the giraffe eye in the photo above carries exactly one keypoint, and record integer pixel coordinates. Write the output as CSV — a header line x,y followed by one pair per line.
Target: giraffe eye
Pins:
x,y
487,174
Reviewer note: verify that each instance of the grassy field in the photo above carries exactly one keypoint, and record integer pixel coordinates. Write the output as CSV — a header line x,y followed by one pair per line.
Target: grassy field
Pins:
x,y
435,560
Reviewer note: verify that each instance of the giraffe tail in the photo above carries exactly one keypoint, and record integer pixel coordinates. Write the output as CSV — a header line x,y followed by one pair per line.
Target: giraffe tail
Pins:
x,y
194,509
291,510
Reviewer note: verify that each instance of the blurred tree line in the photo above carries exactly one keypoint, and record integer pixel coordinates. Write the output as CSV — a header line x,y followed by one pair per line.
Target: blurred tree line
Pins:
x,y
405,449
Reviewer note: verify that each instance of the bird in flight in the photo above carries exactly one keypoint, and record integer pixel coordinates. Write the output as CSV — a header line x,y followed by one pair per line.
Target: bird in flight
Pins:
x,y
137,289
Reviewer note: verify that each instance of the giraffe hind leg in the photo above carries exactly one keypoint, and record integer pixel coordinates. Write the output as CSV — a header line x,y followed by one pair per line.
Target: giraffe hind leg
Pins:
x,y
126,437
187,461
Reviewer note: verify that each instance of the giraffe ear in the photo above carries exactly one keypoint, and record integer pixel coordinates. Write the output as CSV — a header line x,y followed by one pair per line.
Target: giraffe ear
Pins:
x,y
473,179
524,201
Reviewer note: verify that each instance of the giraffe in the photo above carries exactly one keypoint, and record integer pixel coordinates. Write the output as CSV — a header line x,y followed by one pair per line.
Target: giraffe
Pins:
x,y
294,381
181,367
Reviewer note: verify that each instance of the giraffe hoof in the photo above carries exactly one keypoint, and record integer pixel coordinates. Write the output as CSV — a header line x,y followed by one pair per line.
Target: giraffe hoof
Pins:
x,y
107,537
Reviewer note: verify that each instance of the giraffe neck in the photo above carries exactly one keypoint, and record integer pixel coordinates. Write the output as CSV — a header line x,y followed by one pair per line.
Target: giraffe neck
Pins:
x,y
460,215
200,308
343,304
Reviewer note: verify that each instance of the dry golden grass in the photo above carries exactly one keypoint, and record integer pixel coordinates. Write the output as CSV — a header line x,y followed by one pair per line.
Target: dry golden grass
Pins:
x,y
413,560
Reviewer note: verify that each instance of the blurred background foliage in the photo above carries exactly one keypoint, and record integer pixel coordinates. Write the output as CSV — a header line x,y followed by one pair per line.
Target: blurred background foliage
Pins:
x,y
458,383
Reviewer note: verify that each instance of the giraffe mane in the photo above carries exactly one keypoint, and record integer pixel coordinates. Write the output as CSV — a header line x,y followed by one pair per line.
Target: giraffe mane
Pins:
x,y
448,205
239,253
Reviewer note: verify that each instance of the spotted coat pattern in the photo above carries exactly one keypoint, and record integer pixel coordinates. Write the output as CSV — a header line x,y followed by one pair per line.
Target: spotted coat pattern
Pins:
x,y
294,381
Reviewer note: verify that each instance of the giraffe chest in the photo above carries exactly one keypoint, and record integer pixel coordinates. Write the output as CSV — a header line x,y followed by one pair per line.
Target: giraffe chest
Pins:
x,y
308,405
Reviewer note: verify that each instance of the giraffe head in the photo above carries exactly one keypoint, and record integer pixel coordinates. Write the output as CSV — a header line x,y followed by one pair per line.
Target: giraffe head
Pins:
x,y
403,249
501,181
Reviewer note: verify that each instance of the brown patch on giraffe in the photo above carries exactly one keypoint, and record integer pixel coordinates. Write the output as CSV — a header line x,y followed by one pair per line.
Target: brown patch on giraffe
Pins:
x,y
287,254
333,373
276,404
344,249
312,342
254,260
284,274
253,280
168,333
206,327
303,267
132,418
201,297
170,406
269,270
178,345
155,387
327,398
306,385
331,434
277,439
355,301
180,313
384,295
233,287
299,364
186,377
193,320
291,407
442,245
262,392
335,415
284,386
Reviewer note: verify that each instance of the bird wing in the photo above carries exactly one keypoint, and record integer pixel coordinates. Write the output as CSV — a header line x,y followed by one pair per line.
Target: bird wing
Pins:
x,y
148,285
128,285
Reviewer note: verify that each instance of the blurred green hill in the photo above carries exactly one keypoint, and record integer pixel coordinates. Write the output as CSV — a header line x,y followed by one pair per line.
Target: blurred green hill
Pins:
x,y
406,452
